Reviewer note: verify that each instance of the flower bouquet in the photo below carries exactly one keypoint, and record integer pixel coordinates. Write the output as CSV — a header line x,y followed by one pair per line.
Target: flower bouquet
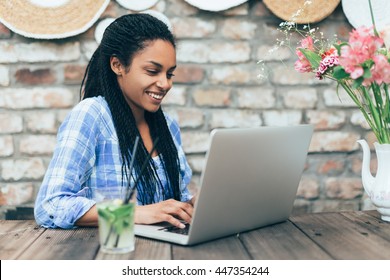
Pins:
x,y
360,66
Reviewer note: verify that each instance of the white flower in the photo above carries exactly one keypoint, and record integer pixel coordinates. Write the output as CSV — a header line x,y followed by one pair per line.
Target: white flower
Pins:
x,y
385,34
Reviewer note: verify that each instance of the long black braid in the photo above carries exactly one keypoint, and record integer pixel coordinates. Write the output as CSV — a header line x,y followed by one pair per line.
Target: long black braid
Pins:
x,y
123,38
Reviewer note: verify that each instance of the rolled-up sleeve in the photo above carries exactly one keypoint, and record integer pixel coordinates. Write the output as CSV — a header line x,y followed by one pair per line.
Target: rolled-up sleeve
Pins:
x,y
63,197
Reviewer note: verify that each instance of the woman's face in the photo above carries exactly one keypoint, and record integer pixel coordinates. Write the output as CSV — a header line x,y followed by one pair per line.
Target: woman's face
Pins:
x,y
149,77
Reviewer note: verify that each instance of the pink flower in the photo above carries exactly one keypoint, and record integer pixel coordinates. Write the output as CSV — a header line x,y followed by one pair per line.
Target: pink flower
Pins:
x,y
355,72
363,40
302,65
381,70
307,43
363,45
329,59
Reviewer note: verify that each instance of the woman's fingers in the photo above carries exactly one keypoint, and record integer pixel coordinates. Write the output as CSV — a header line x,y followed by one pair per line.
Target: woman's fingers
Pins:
x,y
180,210
171,211
175,222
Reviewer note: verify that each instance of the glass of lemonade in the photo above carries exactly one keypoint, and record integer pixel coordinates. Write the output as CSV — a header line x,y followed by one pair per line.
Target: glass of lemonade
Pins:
x,y
116,226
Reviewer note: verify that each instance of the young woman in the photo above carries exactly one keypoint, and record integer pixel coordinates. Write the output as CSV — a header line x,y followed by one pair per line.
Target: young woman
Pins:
x,y
125,82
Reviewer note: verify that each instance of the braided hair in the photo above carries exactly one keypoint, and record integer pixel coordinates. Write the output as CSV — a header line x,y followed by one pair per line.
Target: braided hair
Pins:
x,y
124,38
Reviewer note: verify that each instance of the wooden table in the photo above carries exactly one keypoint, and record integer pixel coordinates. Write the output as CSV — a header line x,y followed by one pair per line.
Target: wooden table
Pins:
x,y
343,235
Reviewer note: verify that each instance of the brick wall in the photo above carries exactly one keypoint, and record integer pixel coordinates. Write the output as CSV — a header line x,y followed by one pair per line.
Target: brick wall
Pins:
x,y
216,85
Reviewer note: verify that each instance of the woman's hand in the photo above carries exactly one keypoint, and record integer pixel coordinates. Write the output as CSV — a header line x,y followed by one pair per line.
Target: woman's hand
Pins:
x,y
171,211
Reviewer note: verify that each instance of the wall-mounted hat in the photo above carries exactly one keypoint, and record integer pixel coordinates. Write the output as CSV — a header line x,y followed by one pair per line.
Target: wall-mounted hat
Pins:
x,y
358,12
216,5
302,11
137,5
101,27
50,19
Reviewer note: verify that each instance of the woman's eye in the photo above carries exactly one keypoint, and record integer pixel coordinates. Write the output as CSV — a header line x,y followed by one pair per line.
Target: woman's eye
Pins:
x,y
152,72
170,75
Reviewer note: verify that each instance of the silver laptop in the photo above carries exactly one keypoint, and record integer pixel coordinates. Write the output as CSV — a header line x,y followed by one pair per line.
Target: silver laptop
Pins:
x,y
249,180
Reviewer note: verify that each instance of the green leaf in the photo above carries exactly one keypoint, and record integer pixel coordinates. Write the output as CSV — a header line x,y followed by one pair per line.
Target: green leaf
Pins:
x,y
118,226
339,73
122,210
367,73
312,57
106,214
338,46
357,83
118,217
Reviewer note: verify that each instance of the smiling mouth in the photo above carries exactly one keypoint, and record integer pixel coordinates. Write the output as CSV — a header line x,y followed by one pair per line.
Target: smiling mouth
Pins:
x,y
158,96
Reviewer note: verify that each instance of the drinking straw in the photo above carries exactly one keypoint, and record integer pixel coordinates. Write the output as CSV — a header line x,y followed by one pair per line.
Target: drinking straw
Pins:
x,y
131,166
128,197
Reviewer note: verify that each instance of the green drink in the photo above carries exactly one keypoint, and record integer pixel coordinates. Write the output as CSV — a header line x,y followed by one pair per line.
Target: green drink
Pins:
x,y
116,226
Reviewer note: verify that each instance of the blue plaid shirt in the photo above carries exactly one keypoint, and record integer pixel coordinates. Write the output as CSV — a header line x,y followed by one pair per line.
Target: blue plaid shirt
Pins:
x,y
86,161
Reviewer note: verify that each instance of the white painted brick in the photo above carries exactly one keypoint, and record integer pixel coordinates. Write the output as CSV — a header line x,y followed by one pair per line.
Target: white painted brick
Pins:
x,y
324,120
285,75
196,162
214,97
238,29
273,53
202,52
195,142
282,118
300,98
16,193
176,96
234,118
4,76
234,75
37,144
6,146
256,98
340,98
333,141
11,123
357,118
41,122
22,169
88,48
187,117
39,52
28,98
200,28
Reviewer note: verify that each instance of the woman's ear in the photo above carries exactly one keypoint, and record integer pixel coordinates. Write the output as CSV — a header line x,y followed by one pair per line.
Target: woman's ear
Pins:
x,y
116,65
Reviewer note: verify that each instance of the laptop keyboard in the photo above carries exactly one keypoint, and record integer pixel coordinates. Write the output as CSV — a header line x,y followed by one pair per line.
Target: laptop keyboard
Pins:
x,y
174,229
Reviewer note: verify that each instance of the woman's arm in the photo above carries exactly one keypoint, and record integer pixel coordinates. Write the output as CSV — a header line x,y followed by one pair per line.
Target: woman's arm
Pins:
x,y
171,211
89,219
61,199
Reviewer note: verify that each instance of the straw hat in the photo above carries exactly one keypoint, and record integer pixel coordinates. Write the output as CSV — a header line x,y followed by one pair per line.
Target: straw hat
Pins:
x,y
358,13
215,6
302,11
47,19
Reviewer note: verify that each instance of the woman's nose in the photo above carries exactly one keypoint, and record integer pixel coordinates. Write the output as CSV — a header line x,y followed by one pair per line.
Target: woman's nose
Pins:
x,y
163,82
